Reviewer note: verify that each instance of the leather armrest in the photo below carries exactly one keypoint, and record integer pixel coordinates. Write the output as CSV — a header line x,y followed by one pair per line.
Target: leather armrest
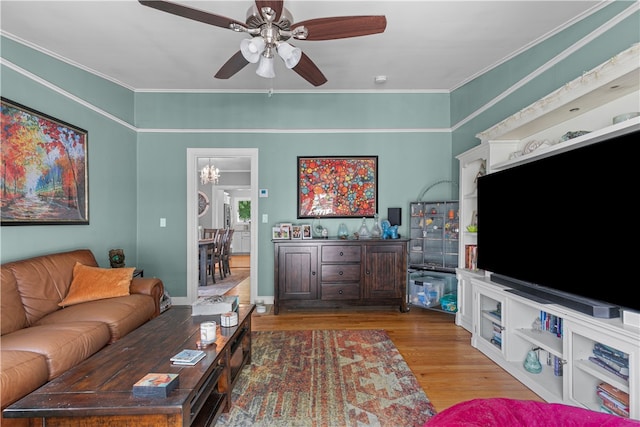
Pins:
x,y
148,286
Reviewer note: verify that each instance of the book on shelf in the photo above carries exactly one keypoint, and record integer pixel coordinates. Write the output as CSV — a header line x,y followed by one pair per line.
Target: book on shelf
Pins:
x,y
470,257
607,368
557,366
611,351
188,357
618,360
613,404
495,313
615,393
612,410
621,369
155,385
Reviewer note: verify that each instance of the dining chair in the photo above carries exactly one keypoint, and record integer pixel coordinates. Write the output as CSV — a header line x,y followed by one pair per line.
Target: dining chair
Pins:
x,y
226,252
216,254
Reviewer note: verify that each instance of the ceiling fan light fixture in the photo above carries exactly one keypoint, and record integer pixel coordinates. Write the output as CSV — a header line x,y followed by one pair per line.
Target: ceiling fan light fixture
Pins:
x,y
289,54
252,48
266,68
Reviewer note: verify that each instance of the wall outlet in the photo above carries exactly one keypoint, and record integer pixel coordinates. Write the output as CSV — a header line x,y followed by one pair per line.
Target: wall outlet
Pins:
x,y
265,218
163,222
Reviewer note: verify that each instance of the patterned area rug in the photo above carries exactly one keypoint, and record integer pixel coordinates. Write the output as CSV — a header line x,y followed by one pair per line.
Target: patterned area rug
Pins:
x,y
326,378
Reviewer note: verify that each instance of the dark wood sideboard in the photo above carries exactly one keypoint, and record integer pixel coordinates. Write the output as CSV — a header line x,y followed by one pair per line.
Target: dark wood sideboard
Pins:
x,y
330,273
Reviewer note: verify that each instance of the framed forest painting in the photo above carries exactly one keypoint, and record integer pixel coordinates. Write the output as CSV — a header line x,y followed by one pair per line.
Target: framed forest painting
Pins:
x,y
337,187
44,175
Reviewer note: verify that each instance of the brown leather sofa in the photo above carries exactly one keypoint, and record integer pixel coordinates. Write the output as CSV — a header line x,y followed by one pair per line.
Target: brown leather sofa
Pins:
x,y
40,340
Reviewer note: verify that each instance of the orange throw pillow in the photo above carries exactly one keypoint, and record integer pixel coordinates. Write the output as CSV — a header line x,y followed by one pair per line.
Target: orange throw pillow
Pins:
x,y
93,283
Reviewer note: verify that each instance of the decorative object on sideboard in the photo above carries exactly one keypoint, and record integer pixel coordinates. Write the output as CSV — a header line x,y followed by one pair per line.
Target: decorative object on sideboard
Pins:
x,y
116,258
363,231
343,232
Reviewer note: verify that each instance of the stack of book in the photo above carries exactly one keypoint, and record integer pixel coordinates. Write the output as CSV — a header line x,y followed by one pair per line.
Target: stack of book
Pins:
x,y
471,257
611,359
551,323
155,385
614,401
188,357
497,335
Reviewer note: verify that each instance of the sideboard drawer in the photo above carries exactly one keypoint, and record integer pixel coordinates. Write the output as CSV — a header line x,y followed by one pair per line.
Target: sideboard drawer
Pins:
x,y
340,273
340,291
339,253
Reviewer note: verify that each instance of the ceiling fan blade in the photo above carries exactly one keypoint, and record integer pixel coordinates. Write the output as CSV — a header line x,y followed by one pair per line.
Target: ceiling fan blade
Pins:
x,y
232,66
276,5
309,71
190,13
341,27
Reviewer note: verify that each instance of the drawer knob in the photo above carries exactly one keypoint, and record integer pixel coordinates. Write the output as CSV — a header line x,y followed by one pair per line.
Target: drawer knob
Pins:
x,y
340,273
341,253
313,273
340,291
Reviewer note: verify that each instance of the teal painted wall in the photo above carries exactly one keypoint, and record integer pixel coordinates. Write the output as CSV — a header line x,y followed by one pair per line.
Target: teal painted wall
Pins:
x,y
112,181
138,141
407,162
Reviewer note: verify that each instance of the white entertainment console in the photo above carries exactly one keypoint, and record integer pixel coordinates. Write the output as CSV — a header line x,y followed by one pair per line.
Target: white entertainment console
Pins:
x,y
502,322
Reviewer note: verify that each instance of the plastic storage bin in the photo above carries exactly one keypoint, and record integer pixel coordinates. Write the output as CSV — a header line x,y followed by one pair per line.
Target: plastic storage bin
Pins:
x,y
425,290
435,290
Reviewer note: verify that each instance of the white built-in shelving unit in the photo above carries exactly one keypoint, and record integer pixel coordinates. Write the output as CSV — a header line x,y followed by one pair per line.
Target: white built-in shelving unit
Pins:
x,y
587,103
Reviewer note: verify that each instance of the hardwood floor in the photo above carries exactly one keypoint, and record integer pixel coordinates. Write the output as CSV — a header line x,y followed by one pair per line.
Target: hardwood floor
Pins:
x,y
438,352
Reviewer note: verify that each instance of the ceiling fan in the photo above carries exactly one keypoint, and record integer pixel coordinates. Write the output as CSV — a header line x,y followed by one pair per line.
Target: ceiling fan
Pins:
x,y
270,25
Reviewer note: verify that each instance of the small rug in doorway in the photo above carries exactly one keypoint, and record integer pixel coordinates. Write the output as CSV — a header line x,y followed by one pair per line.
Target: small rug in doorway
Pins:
x,y
326,378
222,286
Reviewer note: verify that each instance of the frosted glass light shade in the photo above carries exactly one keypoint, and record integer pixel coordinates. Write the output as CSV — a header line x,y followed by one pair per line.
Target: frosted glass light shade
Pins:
x,y
289,54
265,68
252,48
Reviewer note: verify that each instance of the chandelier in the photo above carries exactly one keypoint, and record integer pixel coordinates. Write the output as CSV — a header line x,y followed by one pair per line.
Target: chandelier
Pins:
x,y
209,174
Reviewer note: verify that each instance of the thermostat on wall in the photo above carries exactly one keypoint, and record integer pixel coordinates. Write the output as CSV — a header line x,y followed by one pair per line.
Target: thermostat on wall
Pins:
x,y
264,192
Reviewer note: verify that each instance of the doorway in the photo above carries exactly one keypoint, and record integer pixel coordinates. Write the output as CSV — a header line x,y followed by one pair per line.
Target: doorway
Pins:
x,y
193,154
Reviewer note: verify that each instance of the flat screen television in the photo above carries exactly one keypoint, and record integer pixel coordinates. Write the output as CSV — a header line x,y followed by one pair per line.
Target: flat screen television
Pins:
x,y
559,229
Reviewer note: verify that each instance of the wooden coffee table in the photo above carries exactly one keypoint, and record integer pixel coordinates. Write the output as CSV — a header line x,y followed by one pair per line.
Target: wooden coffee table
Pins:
x,y
98,392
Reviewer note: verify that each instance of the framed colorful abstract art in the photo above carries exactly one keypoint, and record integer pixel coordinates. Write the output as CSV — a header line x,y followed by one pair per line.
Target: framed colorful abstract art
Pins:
x,y
337,186
44,177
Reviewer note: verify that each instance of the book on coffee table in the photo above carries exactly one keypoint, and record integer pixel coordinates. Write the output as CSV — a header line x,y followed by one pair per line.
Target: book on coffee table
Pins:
x,y
155,385
188,357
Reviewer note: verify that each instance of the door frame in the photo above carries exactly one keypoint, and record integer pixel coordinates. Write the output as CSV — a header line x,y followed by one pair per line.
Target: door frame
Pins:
x,y
192,214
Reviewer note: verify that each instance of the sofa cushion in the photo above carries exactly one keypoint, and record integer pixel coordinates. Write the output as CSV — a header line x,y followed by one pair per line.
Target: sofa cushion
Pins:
x,y
21,372
94,283
121,314
12,315
44,281
63,345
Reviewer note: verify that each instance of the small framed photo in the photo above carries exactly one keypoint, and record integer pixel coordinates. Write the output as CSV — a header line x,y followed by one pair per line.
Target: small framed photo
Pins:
x,y
306,231
285,228
296,231
277,234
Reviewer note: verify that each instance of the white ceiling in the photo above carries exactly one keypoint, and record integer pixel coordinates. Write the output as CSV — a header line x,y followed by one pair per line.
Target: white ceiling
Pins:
x,y
427,45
